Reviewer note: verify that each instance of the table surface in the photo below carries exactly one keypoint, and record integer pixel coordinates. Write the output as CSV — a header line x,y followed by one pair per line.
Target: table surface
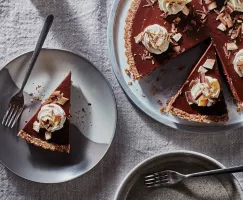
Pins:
x,y
80,26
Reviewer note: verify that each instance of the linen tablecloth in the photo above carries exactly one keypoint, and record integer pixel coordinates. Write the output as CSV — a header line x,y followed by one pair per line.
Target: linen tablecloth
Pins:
x,y
80,26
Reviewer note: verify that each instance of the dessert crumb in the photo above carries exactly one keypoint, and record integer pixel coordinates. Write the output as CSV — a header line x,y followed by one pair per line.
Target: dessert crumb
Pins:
x,y
153,91
129,83
89,104
160,102
238,109
37,87
128,72
83,110
163,109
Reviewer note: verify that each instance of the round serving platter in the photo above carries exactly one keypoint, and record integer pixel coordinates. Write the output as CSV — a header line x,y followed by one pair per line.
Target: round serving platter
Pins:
x,y
93,116
223,187
158,86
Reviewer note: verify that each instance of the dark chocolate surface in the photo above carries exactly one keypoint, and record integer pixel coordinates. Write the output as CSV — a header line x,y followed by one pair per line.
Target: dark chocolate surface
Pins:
x,y
181,103
61,136
146,16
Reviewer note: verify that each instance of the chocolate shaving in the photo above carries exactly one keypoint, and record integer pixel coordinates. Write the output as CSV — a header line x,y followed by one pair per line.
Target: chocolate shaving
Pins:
x,y
193,82
202,77
227,54
189,97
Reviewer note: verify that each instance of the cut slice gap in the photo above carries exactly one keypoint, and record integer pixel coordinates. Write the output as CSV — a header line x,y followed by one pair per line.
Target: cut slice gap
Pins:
x,y
178,106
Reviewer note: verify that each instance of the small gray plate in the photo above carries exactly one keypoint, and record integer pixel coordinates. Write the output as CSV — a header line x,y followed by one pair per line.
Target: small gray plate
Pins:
x,y
93,111
223,187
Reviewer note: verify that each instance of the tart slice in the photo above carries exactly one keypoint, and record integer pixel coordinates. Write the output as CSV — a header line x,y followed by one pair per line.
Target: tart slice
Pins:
x,y
49,127
200,99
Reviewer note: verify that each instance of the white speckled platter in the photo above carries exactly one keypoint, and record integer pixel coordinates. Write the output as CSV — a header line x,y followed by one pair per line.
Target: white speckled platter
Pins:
x,y
165,86
93,116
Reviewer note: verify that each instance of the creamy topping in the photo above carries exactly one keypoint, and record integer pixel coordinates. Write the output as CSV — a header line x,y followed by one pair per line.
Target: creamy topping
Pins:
x,y
172,7
204,91
237,5
238,63
51,117
155,38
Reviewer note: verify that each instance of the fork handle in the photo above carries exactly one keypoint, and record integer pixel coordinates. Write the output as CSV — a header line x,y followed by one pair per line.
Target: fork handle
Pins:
x,y
40,42
217,171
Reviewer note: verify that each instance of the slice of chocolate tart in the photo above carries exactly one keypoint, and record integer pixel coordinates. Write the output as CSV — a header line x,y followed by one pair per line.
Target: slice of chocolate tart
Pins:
x,y
200,99
49,127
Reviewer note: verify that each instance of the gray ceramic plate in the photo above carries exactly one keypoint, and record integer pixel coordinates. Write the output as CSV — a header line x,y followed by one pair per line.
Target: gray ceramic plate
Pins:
x,y
223,187
93,110
165,86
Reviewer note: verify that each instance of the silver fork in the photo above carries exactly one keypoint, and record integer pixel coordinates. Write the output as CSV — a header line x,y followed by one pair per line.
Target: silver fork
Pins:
x,y
16,104
168,177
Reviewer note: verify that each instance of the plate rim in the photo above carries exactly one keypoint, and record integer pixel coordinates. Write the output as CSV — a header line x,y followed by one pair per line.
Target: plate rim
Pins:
x,y
171,153
135,101
113,97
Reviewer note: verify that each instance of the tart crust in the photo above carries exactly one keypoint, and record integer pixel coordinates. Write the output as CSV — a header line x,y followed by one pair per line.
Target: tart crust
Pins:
x,y
41,143
127,36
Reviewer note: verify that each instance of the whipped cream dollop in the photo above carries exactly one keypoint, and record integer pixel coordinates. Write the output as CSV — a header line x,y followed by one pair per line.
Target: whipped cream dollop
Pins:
x,y
51,117
204,91
155,38
238,63
237,4
172,7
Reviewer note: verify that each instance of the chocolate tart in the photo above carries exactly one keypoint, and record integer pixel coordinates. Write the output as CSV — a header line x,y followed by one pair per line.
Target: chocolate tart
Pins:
x,y
180,107
199,25
140,16
60,139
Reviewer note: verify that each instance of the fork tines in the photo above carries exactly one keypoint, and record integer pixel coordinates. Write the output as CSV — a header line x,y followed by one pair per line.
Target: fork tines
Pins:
x,y
12,115
156,179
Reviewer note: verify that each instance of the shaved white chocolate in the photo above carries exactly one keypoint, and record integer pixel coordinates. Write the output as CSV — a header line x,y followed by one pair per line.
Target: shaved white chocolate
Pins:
x,y
196,90
47,135
212,6
177,37
139,38
62,100
185,11
202,70
231,46
209,63
222,27
36,126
